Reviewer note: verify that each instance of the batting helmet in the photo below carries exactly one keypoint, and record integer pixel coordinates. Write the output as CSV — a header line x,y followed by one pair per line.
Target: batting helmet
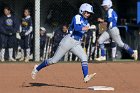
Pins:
x,y
86,7
107,2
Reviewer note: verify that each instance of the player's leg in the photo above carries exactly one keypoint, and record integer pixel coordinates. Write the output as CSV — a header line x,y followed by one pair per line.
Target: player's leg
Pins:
x,y
57,56
65,45
114,32
11,46
42,51
114,50
3,46
27,42
79,51
105,36
21,42
0,46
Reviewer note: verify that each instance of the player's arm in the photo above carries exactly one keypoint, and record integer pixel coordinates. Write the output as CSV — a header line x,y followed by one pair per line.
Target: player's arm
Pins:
x,y
110,18
20,30
2,29
78,25
100,20
17,28
30,28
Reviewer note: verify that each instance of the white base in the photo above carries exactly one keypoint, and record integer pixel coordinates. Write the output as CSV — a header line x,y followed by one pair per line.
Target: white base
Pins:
x,y
101,88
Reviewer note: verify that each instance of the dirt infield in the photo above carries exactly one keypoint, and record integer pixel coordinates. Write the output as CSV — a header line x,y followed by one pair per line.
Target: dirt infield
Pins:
x,y
67,78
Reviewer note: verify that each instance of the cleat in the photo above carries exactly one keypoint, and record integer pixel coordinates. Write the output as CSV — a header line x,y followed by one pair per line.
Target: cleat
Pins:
x,y
34,72
12,59
101,58
21,59
27,59
89,77
2,60
135,55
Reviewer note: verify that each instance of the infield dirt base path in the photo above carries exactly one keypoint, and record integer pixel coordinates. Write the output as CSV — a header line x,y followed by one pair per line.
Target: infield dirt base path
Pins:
x,y
67,78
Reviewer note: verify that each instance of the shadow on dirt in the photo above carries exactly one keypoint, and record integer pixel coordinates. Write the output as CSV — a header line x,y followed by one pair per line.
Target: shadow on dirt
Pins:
x,y
51,85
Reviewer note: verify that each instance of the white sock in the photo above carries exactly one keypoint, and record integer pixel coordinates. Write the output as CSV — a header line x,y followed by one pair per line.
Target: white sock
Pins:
x,y
2,53
114,50
92,49
10,53
22,53
28,53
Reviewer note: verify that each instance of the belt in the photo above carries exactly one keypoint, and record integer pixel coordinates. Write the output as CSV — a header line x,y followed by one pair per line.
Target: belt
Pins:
x,y
75,38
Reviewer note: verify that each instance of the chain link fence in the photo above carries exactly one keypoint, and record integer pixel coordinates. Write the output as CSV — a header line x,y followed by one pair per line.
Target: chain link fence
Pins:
x,y
51,15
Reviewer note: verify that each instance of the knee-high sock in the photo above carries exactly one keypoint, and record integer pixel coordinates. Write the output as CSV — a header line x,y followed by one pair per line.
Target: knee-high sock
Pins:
x,y
114,50
22,53
92,50
2,53
102,49
10,53
28,53
85,68
129,49
42,65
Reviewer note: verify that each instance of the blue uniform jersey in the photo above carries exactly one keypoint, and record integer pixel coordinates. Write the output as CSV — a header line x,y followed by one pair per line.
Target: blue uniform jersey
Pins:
x,y
111,18
9,24
26,23
78,22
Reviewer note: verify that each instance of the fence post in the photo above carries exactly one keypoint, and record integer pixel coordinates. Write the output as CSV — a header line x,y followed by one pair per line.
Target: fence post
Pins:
x,y
37,32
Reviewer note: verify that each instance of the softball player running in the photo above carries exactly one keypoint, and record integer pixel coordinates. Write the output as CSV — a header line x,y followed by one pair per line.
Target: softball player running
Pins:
x,y
113,31
71,42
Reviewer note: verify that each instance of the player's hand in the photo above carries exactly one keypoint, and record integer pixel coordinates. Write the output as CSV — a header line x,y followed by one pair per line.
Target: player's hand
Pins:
x,y
86,28
92,27
100,20
26,34
18,36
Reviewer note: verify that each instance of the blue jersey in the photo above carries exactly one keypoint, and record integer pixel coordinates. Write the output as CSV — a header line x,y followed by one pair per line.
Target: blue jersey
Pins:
x,y
78,22
111,18
26,23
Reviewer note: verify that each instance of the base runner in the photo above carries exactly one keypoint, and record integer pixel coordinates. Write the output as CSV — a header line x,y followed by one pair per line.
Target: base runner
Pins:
x,y
72,42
